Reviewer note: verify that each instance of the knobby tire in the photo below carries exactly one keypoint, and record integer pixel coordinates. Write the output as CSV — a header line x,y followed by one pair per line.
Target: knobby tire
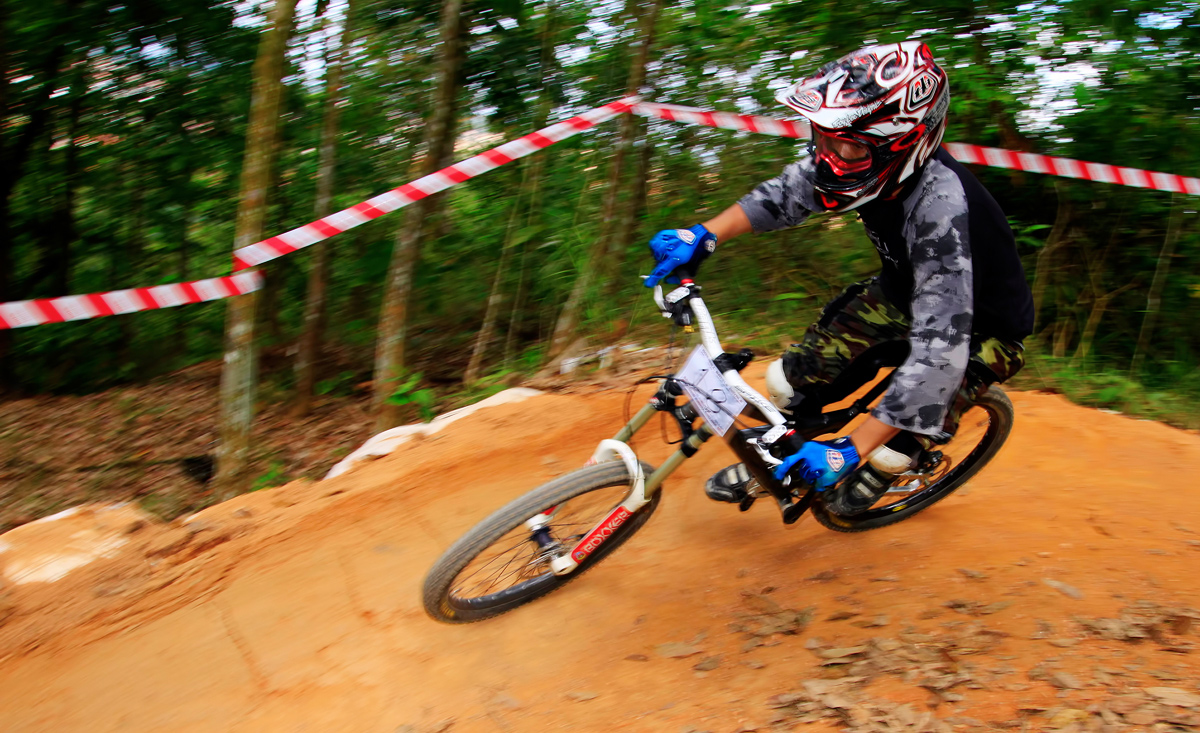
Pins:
x,y
438,598
1000,411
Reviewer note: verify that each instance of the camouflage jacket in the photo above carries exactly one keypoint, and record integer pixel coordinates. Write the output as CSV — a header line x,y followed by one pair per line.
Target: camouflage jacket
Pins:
x,y
924,244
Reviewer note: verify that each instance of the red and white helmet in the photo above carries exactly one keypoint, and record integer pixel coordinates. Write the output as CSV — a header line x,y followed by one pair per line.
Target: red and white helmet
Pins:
x,y
877,115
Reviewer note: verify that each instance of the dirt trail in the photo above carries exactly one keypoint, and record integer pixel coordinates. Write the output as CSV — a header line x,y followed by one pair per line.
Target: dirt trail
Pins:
x,y
297,609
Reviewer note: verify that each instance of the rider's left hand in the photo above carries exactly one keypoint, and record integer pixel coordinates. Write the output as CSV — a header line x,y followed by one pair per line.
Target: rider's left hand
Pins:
x,y
821,463
675,247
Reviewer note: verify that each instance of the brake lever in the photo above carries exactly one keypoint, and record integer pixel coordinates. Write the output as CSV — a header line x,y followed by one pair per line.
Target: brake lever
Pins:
x,y
658,300
674,305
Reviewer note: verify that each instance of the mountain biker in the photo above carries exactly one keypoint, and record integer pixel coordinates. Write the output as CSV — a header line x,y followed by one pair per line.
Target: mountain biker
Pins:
x,y
951,300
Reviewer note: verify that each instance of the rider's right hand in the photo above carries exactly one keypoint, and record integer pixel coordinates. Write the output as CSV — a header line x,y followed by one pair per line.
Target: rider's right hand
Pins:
x,y
675,247
821,463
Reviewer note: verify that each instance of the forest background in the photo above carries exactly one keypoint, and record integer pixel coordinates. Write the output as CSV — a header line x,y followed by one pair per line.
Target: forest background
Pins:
x,y
141,141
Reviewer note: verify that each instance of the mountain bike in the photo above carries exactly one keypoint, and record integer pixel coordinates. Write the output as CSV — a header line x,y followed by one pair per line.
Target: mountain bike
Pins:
x,y
540,541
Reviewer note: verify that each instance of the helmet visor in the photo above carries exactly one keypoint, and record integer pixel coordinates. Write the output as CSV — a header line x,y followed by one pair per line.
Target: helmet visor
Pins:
x,y
844,155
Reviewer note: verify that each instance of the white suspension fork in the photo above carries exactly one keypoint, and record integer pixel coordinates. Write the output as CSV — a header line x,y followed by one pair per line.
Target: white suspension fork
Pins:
x,y
608,450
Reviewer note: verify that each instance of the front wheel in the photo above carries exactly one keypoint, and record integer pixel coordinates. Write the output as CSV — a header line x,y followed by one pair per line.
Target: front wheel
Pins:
x,y
501,564
982,430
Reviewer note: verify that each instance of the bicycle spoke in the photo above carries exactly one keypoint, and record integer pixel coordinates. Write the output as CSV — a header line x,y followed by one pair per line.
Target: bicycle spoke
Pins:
x,y
490,580
493,568
499,555
518,558
501,571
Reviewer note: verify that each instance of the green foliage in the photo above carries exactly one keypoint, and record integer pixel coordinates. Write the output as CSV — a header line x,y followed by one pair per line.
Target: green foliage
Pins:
x,y
1108,388
340,386
408,392
1032,236
132,178
276,475
486,387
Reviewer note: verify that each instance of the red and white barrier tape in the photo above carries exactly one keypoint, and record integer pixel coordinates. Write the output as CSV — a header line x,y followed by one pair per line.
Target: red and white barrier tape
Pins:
x,y
726,120
397,198
993,157
80,307
1070,168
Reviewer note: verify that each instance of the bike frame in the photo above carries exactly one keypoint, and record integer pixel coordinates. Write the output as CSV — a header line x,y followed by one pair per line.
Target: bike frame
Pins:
x,y
793,501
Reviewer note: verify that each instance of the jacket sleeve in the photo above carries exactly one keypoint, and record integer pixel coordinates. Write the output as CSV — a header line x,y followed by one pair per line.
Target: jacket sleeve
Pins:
x,y
937,233
783,201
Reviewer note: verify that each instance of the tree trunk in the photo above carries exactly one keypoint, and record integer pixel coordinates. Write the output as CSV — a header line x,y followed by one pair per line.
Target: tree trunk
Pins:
x,y
514,316
1154,298
1100,299
632,210
314,308
238,378
184,192
125,262
4,62
534,214
439,147
1063,334
359,308
1046,256
1099,306
267,327
522,218
7,374
53,274
483,339
599,262
1093,322
64,221
15,149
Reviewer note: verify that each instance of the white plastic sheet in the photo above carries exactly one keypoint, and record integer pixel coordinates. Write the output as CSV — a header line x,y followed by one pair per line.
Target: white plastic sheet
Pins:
x,y
387,441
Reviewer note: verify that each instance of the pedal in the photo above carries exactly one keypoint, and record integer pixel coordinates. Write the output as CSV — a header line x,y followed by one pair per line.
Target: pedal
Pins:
x,y
793,512
791,509
929,460
751,495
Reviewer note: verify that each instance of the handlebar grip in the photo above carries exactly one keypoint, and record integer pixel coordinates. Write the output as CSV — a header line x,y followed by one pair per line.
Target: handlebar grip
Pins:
x,y
686,271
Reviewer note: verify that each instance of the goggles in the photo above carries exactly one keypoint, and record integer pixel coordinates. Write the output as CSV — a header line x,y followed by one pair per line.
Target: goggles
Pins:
x,y
844,155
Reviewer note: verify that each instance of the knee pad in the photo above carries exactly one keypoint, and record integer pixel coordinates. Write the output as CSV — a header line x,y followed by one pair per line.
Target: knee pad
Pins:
x,y
778,388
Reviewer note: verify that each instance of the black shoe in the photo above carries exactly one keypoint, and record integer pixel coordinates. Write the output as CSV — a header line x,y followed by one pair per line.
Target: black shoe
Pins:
x,y
731,484
857,493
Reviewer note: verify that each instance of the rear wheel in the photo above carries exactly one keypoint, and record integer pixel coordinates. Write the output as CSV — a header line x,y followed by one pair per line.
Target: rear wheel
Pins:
x,y
501,564
981,432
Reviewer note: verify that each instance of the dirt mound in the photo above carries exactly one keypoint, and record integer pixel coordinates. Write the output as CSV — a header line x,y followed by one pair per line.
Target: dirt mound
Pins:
x,y
1057,589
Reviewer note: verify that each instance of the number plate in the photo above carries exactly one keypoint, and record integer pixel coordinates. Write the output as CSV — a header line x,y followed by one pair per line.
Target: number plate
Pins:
x,y
711,395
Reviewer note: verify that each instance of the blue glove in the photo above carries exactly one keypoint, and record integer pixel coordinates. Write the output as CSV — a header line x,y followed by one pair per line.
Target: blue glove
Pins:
x,y
821,463
675,247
